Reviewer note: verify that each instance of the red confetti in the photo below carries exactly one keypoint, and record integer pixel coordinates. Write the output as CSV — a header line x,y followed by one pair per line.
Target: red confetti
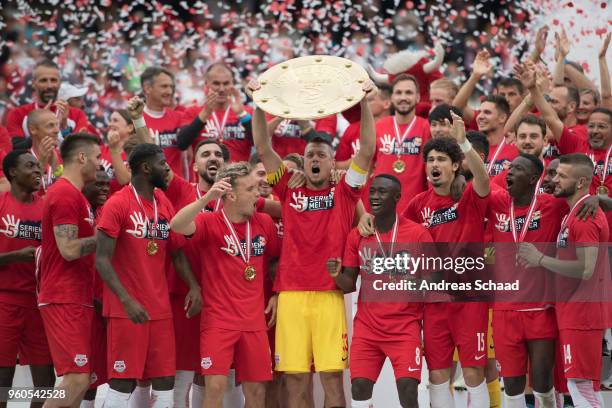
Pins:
x,y
570,4
579,11
555,22
494,30
603,5
409,5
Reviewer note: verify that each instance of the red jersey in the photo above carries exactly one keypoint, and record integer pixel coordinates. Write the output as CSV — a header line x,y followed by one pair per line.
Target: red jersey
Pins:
x,y
20,228
544,226
64,281
166,128
551,150
384,320
17,119
349,143
316,223
230,301
500,158
450,221
328,124
6,144
287,138
577,233
225,126
142,275
389,150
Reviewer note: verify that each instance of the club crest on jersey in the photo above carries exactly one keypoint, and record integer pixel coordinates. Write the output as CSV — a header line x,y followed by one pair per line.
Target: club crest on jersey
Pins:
x,y
562,238
258,246
438,217
206,363
300,202
119,366
80,360
15,228
409,146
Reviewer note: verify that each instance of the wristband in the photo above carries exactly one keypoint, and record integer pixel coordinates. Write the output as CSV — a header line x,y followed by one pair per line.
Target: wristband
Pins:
x,y
139,123
58,171
245,118
465,146
243,114
540,260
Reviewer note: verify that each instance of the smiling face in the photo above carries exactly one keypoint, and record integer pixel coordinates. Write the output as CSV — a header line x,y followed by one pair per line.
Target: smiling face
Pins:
x,y
318,163
404,97
208,161
599,130
259,171
160,92
244,194
438,128
27,173
529,139
117,123
490,118
587,104
384,196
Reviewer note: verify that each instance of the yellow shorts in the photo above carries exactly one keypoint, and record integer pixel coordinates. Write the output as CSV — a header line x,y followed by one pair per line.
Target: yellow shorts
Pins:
x,y
491,351
311,326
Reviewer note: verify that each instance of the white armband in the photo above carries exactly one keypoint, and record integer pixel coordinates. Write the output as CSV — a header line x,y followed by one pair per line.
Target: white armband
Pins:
x,y
139,123
356,176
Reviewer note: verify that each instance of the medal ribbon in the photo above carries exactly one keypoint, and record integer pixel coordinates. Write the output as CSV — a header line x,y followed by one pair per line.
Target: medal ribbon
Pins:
x,y
220,126
246,258
567,217
393,236
49,173
492,162
525,228
152,229
400,138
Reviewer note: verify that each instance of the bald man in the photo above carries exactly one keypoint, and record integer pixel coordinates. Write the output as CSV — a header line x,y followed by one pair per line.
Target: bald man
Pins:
x,y
43,127
223,117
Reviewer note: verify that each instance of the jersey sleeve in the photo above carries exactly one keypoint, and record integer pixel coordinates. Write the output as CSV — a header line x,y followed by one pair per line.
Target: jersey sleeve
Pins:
x,y
201,222
411,212
351,250
585,232
571,143
112,218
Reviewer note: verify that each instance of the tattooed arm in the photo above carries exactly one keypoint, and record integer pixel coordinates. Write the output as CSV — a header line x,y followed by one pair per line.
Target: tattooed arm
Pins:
x,y
69,245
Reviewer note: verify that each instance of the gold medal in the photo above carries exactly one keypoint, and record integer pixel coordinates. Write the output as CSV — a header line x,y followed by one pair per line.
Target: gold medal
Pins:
x,y
152,248
250,273
399,166
602,190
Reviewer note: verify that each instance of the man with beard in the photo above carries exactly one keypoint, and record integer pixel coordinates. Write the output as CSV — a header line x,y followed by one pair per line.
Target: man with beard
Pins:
x,y
236,242
382,329
223,117
65,296
400,139
450,221
134,236
317,218
46,80
21,328
530,132
581,319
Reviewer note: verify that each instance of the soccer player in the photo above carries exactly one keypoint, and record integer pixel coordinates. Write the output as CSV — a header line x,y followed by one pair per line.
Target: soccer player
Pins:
x,y
525,331
400,140
382,329
494,111
46,80
578,259
133,242
65,296
235,242
21,328
438,126
450,221
223,117
317,218
96,192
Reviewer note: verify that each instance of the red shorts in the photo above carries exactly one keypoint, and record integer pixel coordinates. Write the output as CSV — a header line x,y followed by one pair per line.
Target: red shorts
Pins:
x,y
68,328
511,332
368,356
220,348
581,353
22,333
186,334
140,350
449,325
98,352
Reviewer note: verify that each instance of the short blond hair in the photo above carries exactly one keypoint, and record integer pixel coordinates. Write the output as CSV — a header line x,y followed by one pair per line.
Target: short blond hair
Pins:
x,y
445,83
234,171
